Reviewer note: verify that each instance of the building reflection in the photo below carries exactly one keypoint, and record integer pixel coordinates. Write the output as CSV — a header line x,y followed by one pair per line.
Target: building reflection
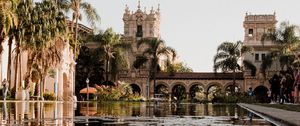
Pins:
x,y
37,113
63,113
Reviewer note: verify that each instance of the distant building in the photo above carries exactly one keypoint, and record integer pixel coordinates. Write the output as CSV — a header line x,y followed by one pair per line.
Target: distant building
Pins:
x,y
140,24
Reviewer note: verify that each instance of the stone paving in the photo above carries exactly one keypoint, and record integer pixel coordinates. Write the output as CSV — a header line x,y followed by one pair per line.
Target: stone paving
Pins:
x,y
286,117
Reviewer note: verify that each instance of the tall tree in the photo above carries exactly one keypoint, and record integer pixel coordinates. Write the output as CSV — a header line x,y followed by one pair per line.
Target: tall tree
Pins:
x,y
113,49
155,48
228,57
287,41
78,6
8,18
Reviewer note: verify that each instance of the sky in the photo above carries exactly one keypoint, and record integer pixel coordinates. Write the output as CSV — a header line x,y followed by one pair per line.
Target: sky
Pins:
x,y
195,28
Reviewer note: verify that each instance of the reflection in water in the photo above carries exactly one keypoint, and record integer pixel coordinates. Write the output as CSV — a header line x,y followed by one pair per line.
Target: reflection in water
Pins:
x,y
65,113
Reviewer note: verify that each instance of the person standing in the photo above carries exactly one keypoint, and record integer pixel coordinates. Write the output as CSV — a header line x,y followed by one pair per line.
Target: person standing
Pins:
x,y
297,86
5,88
282,87
275,87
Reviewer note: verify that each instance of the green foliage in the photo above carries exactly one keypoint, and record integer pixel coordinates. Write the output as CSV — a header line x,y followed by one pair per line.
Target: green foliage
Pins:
x,y
287,39
89,65
234,98
49,96
122,91
51,73
176,67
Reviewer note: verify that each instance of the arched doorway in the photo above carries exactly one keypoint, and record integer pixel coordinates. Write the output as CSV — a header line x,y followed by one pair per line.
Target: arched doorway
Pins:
x,y
261,94
136,90
178,92
232,88
197,93
214,93
161,90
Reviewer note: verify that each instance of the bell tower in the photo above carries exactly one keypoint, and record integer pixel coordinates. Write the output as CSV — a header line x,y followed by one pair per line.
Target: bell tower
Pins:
x,y
254,28
142,24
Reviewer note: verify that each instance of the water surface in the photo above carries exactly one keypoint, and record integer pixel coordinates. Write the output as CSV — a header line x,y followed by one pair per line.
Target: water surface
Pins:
x,y
125,114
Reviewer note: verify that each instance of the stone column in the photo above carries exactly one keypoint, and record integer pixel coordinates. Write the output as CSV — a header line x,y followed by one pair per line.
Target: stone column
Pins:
x,y
187,94
60,85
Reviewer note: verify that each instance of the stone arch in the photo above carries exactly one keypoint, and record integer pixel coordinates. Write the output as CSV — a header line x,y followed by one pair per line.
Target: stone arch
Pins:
x,y
196,91
162,90
164,84
261,93
228,85
213,84
178,91
212,90
179,83
136,89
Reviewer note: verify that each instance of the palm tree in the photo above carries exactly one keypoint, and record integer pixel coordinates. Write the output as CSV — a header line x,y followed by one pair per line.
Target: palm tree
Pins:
x,y
228,56
155,49
113,49
76,6
37,34
8,17
286,50
8,20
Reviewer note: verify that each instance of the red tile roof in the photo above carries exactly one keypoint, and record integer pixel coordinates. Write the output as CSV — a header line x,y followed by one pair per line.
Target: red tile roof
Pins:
x,y
200,76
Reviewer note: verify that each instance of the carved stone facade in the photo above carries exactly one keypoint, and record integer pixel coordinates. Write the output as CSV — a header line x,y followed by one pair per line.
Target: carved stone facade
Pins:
x,y
254,27
141,24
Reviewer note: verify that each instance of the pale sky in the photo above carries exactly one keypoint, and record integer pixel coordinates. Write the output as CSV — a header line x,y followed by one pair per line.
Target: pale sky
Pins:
x,y
196,27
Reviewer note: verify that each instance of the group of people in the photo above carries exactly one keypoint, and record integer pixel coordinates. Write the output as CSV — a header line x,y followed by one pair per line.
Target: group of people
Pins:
x,y
283,86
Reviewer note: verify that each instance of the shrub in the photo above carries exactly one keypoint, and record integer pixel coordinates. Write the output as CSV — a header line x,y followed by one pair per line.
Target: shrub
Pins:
x,y
122,91
49,96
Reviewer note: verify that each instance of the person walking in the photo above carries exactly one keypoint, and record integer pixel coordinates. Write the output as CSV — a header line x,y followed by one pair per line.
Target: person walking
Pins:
x,y
289,87
275,87
282,87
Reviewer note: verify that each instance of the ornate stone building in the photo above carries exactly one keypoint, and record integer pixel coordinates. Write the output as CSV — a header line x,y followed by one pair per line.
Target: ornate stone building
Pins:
x,y
254,27
140,24
61,84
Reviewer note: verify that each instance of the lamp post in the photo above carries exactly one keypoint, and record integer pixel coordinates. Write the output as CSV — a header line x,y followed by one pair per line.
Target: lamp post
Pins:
x,y
87,86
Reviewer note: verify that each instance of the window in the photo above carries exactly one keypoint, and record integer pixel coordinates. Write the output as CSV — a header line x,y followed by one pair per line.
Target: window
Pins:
x,y
139,32
263,56
250,32
256,56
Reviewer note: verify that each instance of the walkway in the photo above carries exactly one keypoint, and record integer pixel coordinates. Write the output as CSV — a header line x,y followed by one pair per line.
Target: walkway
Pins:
x,y
274,115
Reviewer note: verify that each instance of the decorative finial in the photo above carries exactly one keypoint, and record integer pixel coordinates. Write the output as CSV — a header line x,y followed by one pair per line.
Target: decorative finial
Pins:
x,y
145,9
246,13
139,5
126,8
158,8
274,12
151,11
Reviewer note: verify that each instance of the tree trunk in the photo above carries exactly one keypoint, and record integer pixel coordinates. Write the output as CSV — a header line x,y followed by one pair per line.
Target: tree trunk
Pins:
x,y
9,63
234,83
106,69
16,68
20,62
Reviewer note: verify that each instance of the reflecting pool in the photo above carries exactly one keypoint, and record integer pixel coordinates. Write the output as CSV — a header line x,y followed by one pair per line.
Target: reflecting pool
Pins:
x,y
125,114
